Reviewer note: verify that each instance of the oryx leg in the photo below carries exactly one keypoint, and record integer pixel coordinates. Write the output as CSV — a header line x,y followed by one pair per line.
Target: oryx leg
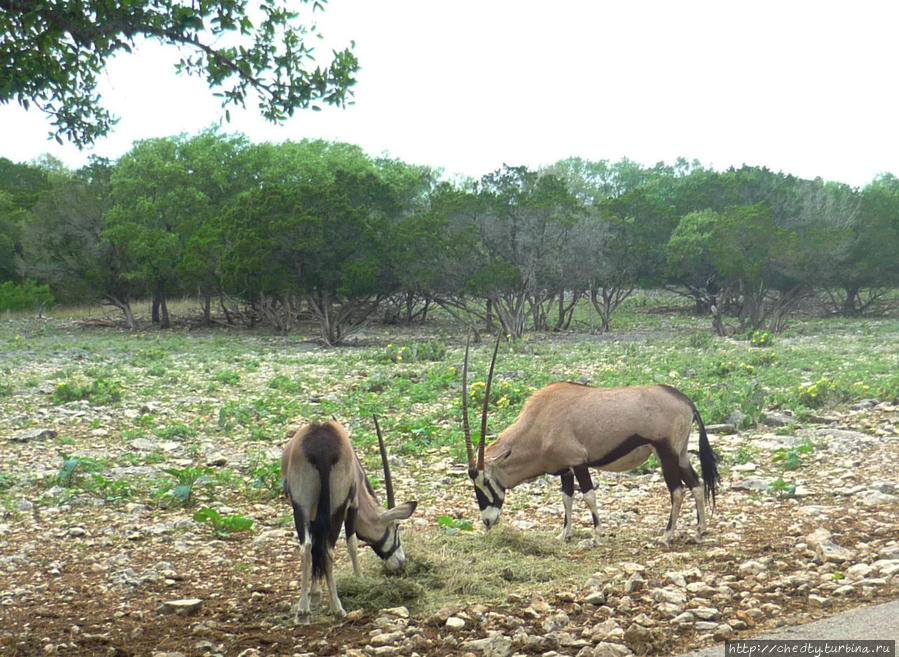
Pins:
x,y
691,479
302,610
352,543
672,473
585,483
338,518
567,497
336,608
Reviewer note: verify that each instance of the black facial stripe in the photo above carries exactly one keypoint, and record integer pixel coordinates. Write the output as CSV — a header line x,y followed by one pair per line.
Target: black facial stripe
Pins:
x,y
378,546
494,499
483,502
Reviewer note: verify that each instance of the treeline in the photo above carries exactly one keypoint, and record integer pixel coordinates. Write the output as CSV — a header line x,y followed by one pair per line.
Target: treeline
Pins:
x,y
272,233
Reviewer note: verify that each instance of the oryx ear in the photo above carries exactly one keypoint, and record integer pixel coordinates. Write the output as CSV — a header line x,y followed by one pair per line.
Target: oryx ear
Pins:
x,y
400,511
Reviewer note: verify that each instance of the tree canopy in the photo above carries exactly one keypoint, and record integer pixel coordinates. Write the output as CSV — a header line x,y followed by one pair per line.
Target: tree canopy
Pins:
x,y
321,231
52,52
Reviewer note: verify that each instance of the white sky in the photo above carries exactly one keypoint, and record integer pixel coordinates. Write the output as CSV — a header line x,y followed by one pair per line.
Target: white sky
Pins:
x,y
808,88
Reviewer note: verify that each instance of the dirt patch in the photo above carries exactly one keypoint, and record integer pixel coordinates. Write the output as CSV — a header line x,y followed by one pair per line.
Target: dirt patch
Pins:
x,y
88,577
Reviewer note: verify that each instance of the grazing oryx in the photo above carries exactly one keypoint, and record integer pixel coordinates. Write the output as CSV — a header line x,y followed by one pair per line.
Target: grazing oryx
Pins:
x,y
327,488
566,428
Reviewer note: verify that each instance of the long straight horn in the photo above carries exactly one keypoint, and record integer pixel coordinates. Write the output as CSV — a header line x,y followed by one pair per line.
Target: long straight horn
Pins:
x,y
466,428
388,482
481,445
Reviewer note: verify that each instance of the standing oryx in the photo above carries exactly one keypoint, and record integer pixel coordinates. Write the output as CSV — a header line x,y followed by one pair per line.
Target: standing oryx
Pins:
x,y
323,478
566,428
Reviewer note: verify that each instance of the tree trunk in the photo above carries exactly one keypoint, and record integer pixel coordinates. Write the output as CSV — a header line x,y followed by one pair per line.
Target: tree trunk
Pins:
x,y
154,306
125,307
566,312
162,316
850,303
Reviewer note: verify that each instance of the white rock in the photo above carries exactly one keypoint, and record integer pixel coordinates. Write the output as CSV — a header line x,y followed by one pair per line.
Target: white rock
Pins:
x,y
702,589
495,645
399,612
827,550
387,638
872,497
686,617
676,578
608,649
706,613
634,583
183,607
670,610
596,598
669,595
818,601
606,630
455,623
556,622
858,571
752,567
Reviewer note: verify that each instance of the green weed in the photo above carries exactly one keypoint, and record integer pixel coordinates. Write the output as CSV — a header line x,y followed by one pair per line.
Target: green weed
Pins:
x,y
185,481
223,526
98,392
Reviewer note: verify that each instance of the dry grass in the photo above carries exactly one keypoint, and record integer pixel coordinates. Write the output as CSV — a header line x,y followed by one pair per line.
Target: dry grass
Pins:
x,y
466,566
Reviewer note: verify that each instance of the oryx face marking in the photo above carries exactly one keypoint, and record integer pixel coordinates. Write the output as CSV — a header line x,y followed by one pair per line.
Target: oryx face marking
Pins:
x,y
490,497
389,548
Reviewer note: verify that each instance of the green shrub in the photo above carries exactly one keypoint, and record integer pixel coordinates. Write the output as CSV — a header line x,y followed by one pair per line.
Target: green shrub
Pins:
x,y
284,383
228,376
503,393
176,430
24,296
761,339
418,352
98,392
822,392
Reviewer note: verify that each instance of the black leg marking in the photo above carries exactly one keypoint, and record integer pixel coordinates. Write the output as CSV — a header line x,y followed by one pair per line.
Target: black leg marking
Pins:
x,y
672,472
567,478
584,480
349,525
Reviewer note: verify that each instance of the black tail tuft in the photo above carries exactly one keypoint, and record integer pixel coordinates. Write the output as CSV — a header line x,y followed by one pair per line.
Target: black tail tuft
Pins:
x,y
320,527
708,462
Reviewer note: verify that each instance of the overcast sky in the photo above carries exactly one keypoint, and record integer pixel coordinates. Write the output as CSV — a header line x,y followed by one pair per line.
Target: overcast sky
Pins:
x,y
808,88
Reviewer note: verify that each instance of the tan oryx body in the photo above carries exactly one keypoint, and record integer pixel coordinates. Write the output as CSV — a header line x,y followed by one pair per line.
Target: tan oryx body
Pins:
x,y
327,487
566,428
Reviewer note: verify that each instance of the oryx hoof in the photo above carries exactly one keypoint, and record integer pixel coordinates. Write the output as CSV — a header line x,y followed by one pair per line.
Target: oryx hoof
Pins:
x,y
564,536
301,617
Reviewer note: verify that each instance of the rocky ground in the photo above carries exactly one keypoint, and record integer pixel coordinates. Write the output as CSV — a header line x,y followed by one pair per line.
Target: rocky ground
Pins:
x,y
81,574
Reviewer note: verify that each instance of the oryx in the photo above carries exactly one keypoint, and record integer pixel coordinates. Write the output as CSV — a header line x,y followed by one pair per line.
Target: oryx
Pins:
x,y
327,487
566,428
